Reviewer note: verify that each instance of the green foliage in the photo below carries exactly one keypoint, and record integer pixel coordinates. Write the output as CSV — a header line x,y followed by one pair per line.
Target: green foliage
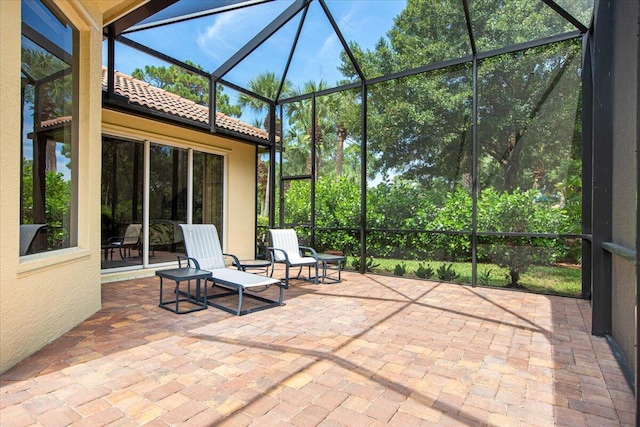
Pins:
x,y
529,152
369,266
57,205
401,205
400,269
425,272
485,276
447,273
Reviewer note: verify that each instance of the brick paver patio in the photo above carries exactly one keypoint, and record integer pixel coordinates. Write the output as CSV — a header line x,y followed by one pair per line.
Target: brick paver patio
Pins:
x,y
370,351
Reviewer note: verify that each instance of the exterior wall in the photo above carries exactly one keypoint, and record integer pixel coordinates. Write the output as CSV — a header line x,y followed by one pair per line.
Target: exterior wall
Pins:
x,y
44,295
624,215
238,234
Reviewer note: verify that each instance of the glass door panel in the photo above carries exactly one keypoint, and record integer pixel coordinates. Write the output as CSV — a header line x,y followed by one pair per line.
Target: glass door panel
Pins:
x,y
167,202
121,200
208,189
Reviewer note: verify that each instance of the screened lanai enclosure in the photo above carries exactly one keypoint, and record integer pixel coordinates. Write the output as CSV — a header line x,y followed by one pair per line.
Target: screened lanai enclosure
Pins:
x,y
437,139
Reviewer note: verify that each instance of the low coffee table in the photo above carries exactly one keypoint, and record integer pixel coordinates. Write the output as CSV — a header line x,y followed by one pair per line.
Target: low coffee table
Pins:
x,y
331,262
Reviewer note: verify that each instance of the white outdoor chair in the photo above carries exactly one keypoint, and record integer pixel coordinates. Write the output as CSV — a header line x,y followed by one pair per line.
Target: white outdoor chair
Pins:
x,y
124,244
285,249
205,253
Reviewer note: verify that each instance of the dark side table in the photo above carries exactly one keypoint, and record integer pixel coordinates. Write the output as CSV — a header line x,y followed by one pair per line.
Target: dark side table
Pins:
x,y
254,264
331,262
178,275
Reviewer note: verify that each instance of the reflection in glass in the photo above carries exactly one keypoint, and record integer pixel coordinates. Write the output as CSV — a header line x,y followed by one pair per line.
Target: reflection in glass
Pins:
x,y
48,128
121,200
167,202
207,189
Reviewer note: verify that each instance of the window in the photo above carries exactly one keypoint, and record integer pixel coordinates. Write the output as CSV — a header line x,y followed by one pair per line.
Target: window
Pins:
x,y
48,131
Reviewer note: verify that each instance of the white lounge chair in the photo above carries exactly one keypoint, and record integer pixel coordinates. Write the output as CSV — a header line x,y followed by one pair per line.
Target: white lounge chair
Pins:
x,y
285,249
205,253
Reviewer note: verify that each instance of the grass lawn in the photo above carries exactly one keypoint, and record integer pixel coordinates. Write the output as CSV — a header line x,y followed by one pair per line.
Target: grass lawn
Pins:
x,y
558,280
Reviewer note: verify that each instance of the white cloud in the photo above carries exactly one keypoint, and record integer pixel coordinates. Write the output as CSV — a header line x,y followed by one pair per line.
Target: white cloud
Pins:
x,y
215,41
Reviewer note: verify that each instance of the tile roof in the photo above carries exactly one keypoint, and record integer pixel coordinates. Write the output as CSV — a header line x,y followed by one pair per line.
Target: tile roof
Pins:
x,y
143,94
55,122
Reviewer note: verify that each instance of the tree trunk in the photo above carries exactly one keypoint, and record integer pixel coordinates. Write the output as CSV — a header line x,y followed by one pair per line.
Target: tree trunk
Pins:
x,y
342,136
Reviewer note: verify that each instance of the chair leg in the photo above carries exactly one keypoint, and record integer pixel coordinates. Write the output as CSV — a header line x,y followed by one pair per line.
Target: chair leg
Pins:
x,y
281,295
286,276
317,282
239,301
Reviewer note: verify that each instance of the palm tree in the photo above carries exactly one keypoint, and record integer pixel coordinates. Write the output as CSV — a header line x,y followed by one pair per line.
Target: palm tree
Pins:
x,y
266,85
299,114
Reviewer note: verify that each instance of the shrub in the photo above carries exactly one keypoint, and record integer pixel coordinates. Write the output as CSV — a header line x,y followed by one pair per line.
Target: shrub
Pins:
x,y
485,276
446,273
424,272
400,270
370,264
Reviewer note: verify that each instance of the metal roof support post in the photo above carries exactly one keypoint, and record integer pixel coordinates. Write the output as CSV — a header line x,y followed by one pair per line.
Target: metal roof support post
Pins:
x,y
602,62
272,162
637,365
314,171
474,155
213,102
587,164
111,61
363,180
293,49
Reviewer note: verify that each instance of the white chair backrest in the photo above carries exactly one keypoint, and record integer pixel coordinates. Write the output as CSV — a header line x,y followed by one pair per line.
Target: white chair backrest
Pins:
x,y
27,233
287,240
132,234
201,242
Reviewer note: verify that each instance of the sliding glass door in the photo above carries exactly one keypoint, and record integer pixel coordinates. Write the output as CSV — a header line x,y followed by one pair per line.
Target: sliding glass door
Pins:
x,y
149,189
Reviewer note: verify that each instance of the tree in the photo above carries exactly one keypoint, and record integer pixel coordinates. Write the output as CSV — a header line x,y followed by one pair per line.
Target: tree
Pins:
x,y
266,85
187,85
420,126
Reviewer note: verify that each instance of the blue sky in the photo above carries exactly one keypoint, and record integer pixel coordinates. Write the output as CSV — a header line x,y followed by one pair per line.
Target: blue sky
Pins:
x,y
210,41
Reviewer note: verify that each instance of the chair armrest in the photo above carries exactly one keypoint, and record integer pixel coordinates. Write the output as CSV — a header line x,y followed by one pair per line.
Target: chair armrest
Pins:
x,y
235,260
310,250
273,255
189,261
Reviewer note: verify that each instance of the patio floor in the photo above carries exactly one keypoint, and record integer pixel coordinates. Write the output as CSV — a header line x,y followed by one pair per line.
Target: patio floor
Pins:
x,y
370,351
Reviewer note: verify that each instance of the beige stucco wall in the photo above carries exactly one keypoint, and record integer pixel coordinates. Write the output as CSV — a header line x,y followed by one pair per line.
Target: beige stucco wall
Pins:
x,y
44,295
238,234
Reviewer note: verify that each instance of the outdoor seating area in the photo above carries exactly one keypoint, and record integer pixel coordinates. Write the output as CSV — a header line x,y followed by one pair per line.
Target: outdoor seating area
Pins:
x,y
205,253
356,354
320,213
